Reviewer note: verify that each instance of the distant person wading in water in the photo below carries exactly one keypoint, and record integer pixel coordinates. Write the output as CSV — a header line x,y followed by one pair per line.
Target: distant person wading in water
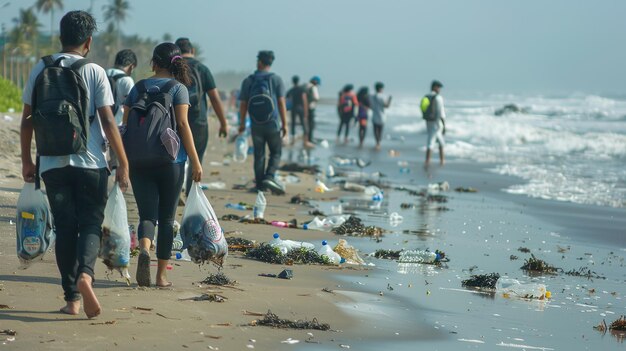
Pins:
x,y
434,114
346,107
378,104
361,117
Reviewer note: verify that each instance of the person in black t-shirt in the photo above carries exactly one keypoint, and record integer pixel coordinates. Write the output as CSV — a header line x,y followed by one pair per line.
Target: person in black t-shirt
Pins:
x,y
198,99
299,110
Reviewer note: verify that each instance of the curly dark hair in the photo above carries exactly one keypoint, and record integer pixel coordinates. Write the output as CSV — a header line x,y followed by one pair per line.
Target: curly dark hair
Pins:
x,y
167,55
125,58
76,28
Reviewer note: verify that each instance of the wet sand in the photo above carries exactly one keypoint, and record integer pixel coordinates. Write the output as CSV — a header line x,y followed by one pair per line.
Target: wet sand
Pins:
x,y
404,306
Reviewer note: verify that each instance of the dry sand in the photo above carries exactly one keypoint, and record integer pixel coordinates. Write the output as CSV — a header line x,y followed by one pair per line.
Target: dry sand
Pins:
x,y
139,318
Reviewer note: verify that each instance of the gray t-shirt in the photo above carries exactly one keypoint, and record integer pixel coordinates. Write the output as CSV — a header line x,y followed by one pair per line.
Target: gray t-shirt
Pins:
x,y
377,105
124,84
277,86
99,94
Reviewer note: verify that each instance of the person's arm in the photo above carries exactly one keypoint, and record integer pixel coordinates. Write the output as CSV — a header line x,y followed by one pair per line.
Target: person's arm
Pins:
x,y
125,116
243,111
26,138
388,103
115,141
305,104
216,102
185,133
442,111
282,110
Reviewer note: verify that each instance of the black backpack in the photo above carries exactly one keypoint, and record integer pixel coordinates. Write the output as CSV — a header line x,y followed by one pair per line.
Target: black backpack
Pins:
x,y
60,109
261,104
427,105
113,83
196,91
150,138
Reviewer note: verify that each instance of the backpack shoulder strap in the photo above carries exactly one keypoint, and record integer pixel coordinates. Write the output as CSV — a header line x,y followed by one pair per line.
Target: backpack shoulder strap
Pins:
x,y
118,76
79,63
47,60
169,85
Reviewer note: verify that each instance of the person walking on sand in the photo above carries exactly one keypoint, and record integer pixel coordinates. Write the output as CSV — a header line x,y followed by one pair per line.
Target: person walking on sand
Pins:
x,y
363,98
121,83
346,106
434,114
74,168
202,85
313,96
299,111
378,104
157,184
262,96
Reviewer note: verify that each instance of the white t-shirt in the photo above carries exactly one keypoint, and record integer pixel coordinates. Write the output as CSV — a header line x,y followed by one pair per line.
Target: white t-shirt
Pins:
x,y
440,111
124,84
99,94
377,105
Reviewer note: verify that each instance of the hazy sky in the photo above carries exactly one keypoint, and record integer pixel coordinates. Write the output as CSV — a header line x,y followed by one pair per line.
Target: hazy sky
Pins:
x,y
480,45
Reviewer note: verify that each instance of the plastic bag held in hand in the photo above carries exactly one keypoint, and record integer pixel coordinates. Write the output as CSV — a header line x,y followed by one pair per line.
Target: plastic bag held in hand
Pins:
x,y
200,229
115,243
34,225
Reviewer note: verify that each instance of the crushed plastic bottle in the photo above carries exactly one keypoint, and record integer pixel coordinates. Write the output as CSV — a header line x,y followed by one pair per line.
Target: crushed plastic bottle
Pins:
x,y
259,205
349,186
418,256
508,287
328,252
395,219
177,244
325,224
336,209
287,245
183,256
330,171
239,207
213,186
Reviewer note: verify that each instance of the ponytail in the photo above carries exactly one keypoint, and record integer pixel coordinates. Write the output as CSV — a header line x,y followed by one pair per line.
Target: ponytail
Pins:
x,y
167,55
180,70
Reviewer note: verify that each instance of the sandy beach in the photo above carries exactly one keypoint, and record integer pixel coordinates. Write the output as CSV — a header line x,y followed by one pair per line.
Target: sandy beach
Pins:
x,y
368,307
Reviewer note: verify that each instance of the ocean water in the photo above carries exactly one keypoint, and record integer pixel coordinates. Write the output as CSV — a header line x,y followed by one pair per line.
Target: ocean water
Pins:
x,y
570,148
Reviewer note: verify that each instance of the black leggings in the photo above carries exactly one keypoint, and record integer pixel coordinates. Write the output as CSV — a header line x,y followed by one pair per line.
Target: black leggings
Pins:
x,y
378,132
345,121
297,113
156,191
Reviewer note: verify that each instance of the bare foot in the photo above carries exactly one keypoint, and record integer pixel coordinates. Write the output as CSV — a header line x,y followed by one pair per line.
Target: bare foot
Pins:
x,y
163,283
71,307
377,147
309,145
90,301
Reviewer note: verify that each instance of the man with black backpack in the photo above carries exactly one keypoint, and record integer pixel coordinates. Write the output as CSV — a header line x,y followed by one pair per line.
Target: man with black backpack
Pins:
x,y
67,103
262,96
203,85
434,114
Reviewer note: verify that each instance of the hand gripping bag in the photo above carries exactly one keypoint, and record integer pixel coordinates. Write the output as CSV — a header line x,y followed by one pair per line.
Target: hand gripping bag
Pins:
x,y
200,230
33,226
115,243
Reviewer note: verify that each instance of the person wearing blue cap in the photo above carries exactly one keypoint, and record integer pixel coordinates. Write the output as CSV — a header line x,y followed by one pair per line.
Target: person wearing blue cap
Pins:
x,y
313,97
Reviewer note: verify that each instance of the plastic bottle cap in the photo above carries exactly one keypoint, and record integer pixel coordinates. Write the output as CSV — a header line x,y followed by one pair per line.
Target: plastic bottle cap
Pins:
x,y
178,255
437,256
276,236
324,242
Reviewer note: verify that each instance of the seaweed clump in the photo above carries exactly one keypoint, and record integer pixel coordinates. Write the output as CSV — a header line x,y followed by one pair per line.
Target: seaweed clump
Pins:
x,y
482,281
584,272
270,254
388,254
218,279
240,244
272,320
353,226
537,265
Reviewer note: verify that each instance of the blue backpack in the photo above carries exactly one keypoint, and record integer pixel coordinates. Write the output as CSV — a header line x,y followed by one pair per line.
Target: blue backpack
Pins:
x,y
261,102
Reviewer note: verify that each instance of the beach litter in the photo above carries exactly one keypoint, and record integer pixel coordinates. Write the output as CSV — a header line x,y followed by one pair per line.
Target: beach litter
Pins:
x,y
523,249
584,272
272,320
465,190
34,225
348,252
115,240
321,188
294,167
219,279
482,281
441,186
423,257
353,226
387,254
617,325
213,186
8,332
206,297
270,254
299,200
536,265
240,244
508,287
286,274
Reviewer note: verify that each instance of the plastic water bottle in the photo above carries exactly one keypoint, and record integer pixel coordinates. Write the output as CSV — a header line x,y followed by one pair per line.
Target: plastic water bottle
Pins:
x,y
330,171
183,256
280,224
405,170
395,217
278,243
177,244
326,251
259,205
508,287
378,197
321,187
239,207
287,245
418,256
241,148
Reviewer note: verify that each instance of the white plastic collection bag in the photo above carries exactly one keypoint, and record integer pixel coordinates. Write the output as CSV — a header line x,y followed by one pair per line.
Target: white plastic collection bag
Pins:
x,y
33,226
200,229
115,244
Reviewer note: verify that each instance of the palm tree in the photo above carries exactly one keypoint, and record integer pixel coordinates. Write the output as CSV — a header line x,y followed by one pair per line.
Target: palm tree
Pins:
x,y
28,24
117,11
22,40
46,6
